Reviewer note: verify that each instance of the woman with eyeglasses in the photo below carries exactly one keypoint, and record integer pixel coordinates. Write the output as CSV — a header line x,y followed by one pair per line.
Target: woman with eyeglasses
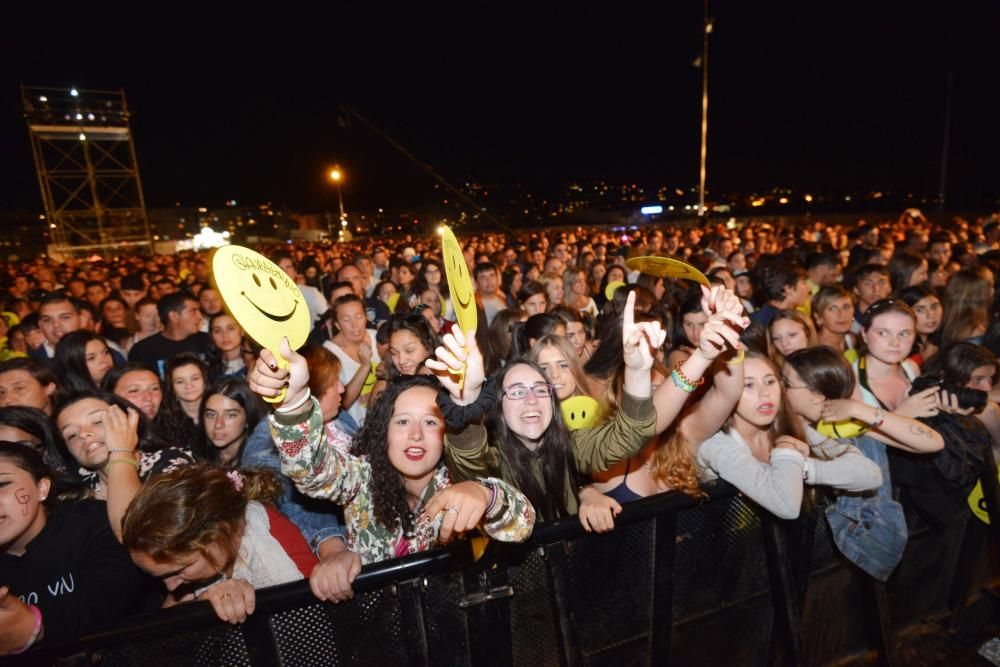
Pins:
x,y
531,447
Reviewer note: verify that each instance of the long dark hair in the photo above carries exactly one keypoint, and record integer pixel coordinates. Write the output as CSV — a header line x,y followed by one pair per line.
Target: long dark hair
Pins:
x,y
554,453
388,493
38,424
235,389
150,439
536,326
421,282
824,370
959,360
70,361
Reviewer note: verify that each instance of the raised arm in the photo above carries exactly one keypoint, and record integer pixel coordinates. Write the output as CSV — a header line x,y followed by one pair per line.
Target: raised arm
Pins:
x,y
317,468
725,320
121,436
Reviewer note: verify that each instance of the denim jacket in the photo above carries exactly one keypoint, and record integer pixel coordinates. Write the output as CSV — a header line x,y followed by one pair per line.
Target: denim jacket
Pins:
x,y
317,519
870,530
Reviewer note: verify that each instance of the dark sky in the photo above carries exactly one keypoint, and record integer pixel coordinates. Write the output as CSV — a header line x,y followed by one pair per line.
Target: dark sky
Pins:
x,y
242,103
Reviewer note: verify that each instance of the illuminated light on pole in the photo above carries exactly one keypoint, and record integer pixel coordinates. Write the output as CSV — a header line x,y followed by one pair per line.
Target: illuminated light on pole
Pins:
x,y
651,210
808,199
83,137
73,92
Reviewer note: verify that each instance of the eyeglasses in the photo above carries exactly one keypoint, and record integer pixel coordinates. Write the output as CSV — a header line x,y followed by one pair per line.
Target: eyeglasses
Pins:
x,y
519,392
786,385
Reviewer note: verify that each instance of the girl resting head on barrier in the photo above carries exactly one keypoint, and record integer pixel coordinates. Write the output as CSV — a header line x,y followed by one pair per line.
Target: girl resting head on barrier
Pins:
x,y
215,535
399,499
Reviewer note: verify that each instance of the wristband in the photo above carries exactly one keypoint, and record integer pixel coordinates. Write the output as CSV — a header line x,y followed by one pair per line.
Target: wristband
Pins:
x,y
493,498
111,462
122,451
34,632
738,359
285,409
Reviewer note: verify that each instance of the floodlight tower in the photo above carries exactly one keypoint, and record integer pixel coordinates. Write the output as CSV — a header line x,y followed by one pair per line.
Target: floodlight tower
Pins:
x,y
87,170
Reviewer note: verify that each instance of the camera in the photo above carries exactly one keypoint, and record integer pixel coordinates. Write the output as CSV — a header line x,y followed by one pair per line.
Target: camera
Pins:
x,y
967,398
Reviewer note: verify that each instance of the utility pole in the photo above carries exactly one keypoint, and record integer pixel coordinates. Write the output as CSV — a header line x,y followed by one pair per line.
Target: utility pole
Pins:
x,y
704,114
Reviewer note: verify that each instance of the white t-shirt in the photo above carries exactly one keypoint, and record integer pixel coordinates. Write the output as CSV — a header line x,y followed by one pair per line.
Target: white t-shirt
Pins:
x,y
348,367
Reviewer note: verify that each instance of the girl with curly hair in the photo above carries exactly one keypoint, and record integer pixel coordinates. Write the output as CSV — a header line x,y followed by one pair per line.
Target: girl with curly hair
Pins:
x,y
395,488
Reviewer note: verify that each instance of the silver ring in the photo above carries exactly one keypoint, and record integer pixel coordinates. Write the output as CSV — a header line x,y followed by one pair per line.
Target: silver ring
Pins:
x,y
451,510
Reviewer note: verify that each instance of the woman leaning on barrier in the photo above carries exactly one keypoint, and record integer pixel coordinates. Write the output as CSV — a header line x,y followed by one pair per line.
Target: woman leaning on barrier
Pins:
x,y
763,451
399,498
527,442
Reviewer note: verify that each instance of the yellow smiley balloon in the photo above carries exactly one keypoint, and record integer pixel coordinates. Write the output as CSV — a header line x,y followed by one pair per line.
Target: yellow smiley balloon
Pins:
x,y
611,288
977,503
263,299
580,412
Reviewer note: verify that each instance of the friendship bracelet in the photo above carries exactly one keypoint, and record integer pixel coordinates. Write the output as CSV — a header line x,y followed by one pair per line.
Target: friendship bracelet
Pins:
x,y
685,379
111,462
34,633
738,359
285,409
681,383
121,451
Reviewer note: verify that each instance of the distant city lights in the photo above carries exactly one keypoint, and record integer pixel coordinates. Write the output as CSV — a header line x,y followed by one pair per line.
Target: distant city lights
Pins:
x,y
74,92
651,210
209,238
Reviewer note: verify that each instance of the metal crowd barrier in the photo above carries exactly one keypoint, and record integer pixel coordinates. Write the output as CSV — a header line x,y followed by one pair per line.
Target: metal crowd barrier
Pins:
x,y
678,582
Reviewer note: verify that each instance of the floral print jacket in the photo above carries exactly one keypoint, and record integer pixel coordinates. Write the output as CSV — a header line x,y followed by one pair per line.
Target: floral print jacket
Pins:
x,y
320,470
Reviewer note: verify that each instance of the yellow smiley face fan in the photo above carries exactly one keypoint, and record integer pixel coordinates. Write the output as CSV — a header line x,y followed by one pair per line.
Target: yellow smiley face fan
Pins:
x,y
263,299
463,294
666,267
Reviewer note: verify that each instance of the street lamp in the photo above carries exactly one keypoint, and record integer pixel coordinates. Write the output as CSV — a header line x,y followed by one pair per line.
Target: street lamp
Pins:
x,y
337,176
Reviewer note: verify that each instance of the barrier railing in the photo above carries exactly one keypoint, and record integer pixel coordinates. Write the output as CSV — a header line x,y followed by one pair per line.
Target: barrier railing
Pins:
x,y
677,582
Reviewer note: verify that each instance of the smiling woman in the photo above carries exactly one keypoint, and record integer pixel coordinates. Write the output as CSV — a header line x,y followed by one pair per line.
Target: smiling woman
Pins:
x,y
62,570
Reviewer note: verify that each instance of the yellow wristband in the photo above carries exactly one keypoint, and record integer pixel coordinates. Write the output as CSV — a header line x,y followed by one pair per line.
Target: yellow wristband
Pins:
x,y
111,462
738,359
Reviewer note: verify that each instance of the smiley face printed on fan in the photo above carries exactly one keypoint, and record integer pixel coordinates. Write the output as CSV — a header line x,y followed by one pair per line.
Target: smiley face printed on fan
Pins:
x,y
261,297
459,282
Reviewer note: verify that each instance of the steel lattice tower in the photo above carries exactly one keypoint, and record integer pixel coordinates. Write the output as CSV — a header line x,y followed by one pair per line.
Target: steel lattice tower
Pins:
x,y
87,170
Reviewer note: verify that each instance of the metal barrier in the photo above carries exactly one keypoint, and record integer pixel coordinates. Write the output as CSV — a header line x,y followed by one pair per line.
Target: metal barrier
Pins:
x,y
678,582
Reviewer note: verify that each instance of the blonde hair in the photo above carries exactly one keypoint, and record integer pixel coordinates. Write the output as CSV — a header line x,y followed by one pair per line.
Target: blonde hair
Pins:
x,y
566,349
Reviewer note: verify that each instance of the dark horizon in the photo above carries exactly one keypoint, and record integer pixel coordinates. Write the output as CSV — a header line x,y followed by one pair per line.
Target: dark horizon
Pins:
x,y
230,106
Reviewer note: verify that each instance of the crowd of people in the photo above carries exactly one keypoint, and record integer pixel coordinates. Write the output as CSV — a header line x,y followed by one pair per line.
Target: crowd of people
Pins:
x,y
845,367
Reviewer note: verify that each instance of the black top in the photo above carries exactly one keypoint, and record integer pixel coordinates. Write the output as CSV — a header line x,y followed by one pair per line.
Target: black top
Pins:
x,y
154,351
75,572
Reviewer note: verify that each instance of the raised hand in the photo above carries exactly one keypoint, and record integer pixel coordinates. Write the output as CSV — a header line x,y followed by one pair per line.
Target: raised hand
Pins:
x,y
455,357
639,339
121,430
725,321
267,379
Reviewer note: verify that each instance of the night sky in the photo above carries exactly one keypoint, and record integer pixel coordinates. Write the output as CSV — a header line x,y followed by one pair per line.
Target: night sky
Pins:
x,y
244,103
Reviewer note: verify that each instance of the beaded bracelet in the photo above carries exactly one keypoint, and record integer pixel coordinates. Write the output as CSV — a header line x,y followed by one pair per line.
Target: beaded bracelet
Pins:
x,y
35,631
682,381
